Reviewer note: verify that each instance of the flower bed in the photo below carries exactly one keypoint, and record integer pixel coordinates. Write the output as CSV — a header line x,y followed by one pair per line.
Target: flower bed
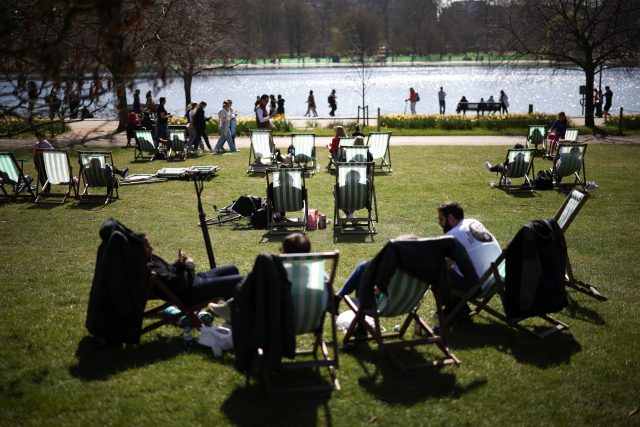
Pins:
x,y
460,122
15,125
631,121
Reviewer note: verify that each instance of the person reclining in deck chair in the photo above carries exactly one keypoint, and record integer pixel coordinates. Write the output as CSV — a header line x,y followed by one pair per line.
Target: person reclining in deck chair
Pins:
x,y
501,167
95,163
187,285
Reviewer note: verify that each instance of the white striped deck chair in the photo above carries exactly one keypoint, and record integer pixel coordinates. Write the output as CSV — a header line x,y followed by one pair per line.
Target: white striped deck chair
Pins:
x,y
571,135
286,192
94,173
519,165
59,172
379,147
261,153
355,190
568,163
144,144
537,136
345,141
355,153
12,178
304,145
178,142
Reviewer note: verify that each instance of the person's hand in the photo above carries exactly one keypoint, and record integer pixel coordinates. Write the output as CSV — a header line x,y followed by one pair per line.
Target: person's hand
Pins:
x,y
275,129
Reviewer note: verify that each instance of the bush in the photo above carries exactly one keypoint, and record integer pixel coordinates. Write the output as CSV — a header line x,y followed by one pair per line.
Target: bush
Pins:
x,y
631,121
466,122
15,125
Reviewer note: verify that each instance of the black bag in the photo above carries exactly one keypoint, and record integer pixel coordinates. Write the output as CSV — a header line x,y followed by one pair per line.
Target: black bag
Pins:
x,y
543,181
330,100
160,155
259,217
247,205
417,97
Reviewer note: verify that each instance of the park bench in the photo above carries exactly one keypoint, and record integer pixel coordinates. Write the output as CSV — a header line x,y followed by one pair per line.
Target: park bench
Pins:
x,y
490,107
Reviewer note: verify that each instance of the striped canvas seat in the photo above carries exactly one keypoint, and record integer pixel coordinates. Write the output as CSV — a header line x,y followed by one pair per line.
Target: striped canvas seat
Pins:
x,y
309,293
304,145
260,145
347,141
95,170
12,178
178,144
287,190
144,144
571,135
353,187
378,144
537,135
570,208
355,153
519,165
58,171
489,287
569,162
405,293
9,174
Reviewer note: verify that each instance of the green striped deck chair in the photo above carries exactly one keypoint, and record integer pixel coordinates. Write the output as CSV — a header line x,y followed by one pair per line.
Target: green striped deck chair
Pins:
x,y
519,165
355,153
286,192
13,178
537,135
311,294
261,154
355,190
94,173
565,216
379,147
571,135
59,172
345,141
178,148
568,163
305,149
144,144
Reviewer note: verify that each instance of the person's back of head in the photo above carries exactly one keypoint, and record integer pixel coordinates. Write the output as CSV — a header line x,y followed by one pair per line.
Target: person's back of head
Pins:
x,y
39,134
451,208
358,141
357,128
296,243
340,131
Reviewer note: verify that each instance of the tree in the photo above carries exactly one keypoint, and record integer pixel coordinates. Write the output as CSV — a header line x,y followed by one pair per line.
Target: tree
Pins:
x,y
588,34
299,29
416,19
324,10
384,10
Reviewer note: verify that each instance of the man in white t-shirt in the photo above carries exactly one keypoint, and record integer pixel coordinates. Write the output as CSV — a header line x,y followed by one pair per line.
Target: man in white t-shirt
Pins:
x,y
482,247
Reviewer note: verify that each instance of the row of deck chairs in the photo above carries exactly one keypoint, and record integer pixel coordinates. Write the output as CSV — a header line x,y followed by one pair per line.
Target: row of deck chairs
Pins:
x,y
145,147
262,153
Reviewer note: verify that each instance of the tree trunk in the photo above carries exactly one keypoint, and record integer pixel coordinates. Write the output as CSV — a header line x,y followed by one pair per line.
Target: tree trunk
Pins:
x,y
588,113
187,79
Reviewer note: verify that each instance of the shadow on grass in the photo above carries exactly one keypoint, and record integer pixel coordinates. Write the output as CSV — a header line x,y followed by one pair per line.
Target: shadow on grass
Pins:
x,y
578,312
554,350
396,387
99,365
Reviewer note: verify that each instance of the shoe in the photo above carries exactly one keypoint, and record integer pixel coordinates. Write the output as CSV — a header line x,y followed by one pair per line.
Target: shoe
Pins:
x,y
351,216
124,173
336,303
235,151
488,165
221,310
212,151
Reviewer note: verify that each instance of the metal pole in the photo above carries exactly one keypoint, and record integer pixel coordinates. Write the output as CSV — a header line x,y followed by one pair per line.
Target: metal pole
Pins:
x,y
620,125
203,225
378,119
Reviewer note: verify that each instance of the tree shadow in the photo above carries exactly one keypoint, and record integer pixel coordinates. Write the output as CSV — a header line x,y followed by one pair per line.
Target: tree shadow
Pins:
x,y
578,312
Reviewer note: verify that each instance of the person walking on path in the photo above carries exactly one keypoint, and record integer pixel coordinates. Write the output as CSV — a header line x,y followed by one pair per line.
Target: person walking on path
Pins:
x,y
441,96
608,96
333,104
262,118
193,132
225,117
162,125
273,105
280,106
136,101
233,122
311,105
504,100
200,122
413,98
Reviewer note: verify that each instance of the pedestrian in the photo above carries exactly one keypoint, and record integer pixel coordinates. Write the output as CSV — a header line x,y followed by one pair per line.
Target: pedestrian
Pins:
x,y
280,106
225,116
193,142
74,105
311,105
413,98
333,104
33,97
162,125
136,101
608,96
200,122
504,100
234,122
273,104
150,102
441,96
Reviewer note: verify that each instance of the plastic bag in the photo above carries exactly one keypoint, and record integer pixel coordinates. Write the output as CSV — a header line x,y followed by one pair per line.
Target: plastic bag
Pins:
x,y
216,337
313,219
344,321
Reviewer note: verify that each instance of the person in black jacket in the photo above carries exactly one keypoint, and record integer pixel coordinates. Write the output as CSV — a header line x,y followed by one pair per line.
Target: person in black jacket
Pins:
x,y
187,285
200,122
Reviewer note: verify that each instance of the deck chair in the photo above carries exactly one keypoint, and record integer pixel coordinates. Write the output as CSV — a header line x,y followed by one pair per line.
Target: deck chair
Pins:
x,y
304,145
379,147
565,216
144,144
405,295
12,178
355,153
489,285
568,163
95,173
519,164
310,294
262,152
178,145
345,141
355,190
571,135
59,172
537,136
286,192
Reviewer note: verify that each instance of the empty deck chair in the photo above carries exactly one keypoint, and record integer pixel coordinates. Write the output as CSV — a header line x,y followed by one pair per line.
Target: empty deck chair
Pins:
x,y
94,172
567,164
59,172
379,147
178,145
356,153
519,164
13,179
571,135
286,192
537,136
355,190
144,144
304,145
262,151
345,141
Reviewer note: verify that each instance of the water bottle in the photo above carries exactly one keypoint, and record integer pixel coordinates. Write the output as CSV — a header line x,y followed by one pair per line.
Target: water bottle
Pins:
x,y
492,184
436,323
396,328
187,339
417,330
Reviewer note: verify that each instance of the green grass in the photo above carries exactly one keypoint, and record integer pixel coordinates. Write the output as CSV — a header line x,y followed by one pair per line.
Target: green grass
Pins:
x,y
53,374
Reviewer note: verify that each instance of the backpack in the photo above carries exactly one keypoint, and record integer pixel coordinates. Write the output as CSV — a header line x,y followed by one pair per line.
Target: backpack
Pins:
x,y
417,97
259,217
160,155
543,181
246,205
330,100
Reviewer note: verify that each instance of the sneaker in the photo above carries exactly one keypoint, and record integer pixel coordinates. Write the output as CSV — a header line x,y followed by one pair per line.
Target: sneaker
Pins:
x,y
488,165
352,216
221,310
212,151
125,173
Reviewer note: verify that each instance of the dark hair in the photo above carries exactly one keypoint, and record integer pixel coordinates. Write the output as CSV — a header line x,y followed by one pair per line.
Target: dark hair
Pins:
x,y
296,243
39,134
561,113
452,208
137,90
357,128
162,99
139,235
265,96
606,87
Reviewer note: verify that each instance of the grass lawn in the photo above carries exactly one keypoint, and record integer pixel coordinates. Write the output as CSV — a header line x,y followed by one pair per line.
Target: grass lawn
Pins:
x,y
53,373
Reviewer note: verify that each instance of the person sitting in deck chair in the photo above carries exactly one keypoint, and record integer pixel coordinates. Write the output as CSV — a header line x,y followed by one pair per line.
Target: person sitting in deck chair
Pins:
x,y
95,163
38,161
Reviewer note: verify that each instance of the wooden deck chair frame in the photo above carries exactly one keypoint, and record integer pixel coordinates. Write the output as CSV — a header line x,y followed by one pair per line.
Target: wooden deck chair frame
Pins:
x,y
357,153
269,173
574,167
543,135
12,174
570,136
515,171
376,150
178,149
330,363
565,216
267,160
55,158
93,179
480,299
370,202
375,333
302,157
144,144
345,141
